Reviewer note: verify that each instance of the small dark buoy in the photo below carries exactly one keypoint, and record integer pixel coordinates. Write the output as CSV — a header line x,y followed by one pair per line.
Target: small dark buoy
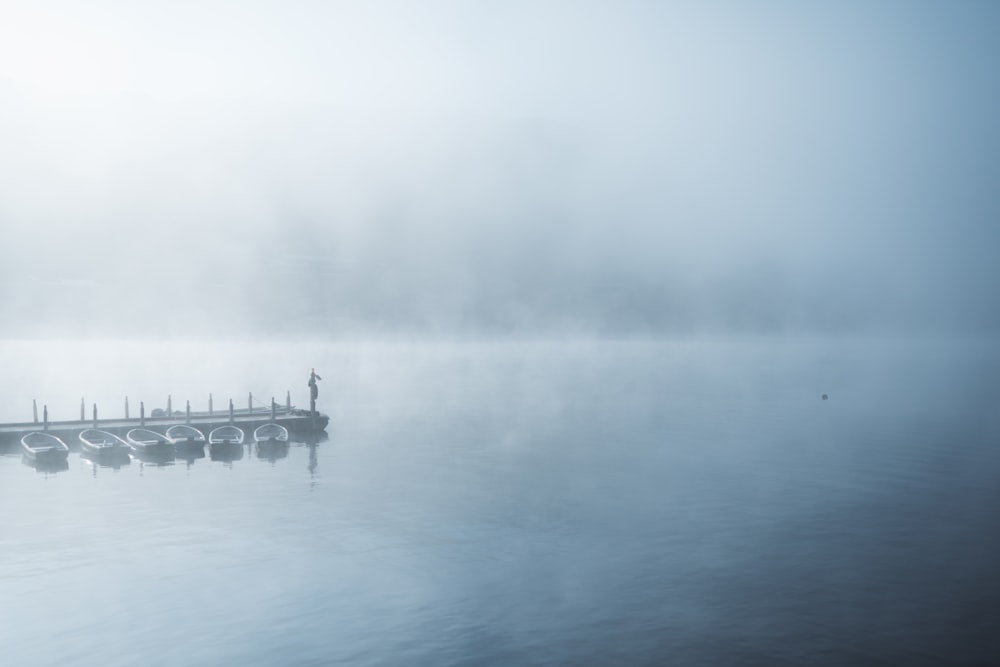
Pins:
x,y
825,397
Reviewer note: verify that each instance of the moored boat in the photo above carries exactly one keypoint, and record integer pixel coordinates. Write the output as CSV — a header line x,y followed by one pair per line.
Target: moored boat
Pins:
x,y
226,435
183,435
151,443
270,433
44,447
226,443
271,441
101,443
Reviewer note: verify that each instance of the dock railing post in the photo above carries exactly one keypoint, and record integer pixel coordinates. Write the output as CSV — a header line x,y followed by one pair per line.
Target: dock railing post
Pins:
x,y
231,411
45,417
187,412
34,409
126,407
95,415
209,405
142,413
274,410
82,409
170,406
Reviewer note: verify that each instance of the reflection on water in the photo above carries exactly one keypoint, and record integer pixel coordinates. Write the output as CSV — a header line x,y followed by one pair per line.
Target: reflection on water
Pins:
x,y
115,458
271,451
161,457
190,452
313,466
226,452
45,467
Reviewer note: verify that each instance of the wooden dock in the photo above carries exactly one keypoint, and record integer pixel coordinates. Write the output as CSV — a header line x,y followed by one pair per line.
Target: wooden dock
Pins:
x,y
302,423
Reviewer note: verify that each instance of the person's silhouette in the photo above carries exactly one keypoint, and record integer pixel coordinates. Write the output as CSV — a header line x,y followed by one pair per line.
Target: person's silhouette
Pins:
x,y
313,389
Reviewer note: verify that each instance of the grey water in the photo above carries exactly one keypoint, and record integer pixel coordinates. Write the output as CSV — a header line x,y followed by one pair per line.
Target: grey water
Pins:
x,y
689,502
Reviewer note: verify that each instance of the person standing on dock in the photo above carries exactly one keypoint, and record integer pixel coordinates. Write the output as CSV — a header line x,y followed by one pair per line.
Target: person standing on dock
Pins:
x,y
313,389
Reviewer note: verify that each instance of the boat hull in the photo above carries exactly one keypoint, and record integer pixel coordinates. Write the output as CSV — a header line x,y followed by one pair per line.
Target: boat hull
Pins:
x,y
45,455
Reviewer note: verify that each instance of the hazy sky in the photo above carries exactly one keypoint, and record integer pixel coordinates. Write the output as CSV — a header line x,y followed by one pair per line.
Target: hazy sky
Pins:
x,y
210,168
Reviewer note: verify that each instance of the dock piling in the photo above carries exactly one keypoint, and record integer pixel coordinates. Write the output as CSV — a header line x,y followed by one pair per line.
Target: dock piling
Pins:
x,y
209,405
170,406
274,410
126,407
82,409
45,417
250,402
231,411
95,415
142,413
34,409
187,412
288,400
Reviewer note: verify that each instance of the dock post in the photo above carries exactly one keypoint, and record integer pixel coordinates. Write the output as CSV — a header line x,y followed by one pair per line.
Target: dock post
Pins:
x,y
274,410
250,402
45,417
82,409
288,400
95,415
142,413
34,409
230,411
126,407
170,406
187,412
209,405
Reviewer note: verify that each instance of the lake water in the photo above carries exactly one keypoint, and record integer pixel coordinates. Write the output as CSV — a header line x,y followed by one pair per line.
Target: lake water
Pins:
x,y
679,502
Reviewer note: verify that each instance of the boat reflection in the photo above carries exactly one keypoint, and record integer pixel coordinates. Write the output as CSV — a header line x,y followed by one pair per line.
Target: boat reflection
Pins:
x,y
112,458
155,458
190,452
272,450
227,452
46,467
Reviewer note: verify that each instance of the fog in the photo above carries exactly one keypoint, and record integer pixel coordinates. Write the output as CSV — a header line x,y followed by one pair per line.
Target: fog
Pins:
x,y
343,170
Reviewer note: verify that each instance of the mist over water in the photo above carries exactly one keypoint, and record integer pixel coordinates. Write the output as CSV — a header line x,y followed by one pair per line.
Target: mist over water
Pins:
x,y
576,277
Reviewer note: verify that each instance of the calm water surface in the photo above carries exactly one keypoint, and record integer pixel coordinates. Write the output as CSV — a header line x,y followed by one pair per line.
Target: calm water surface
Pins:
x,y
679,503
